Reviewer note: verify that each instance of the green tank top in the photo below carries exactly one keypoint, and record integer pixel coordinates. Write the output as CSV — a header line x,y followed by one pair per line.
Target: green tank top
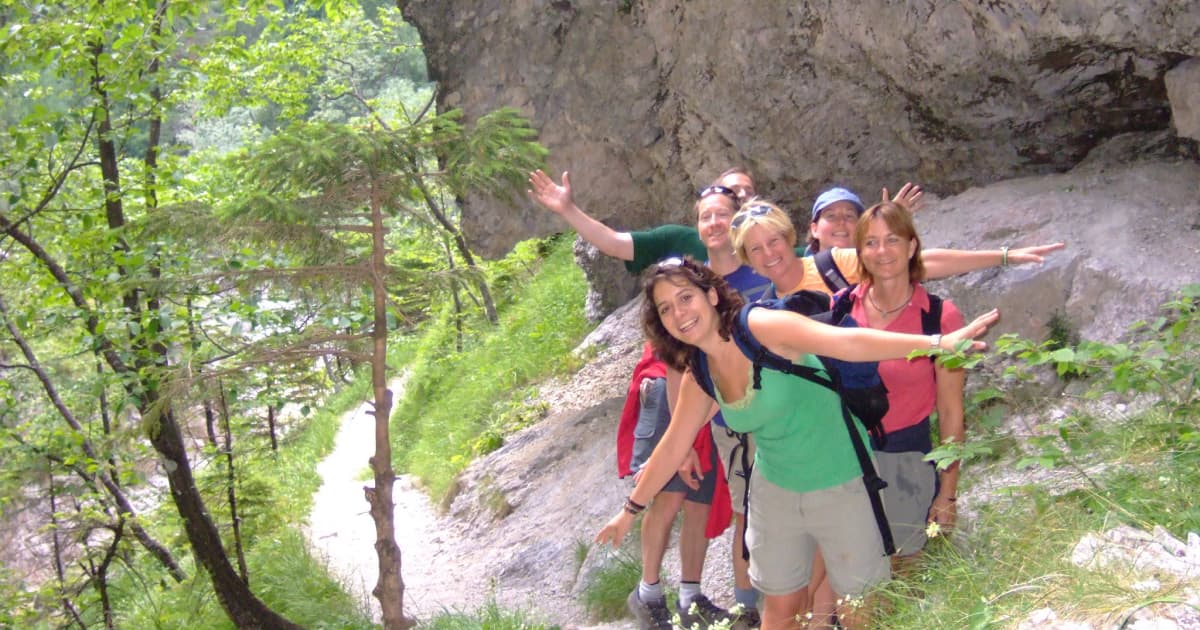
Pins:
x,y
798,430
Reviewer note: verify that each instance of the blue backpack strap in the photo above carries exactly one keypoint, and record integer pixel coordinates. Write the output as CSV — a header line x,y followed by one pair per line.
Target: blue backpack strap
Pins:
x,y
828,270
760,356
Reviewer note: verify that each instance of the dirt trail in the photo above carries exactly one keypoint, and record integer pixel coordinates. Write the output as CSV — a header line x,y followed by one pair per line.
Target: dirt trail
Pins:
x,y
341,530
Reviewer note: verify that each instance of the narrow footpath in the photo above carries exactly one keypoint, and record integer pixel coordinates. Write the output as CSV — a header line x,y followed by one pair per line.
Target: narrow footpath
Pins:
x,y
341,530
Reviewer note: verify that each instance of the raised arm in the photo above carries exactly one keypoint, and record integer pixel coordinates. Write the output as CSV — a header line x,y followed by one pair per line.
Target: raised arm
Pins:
x,y
688,417
943,263
790,335
557,199
909,196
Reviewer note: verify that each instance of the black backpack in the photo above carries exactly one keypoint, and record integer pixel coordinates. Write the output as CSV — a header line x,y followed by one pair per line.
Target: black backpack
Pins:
x,y
858,385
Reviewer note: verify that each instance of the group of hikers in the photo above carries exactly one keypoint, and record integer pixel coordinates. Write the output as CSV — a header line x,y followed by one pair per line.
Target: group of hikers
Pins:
x,y
705,430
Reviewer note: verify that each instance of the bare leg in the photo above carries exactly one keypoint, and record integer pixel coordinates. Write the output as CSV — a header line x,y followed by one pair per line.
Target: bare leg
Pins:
x,y
741,565
824,600
784,612
656,532
693,546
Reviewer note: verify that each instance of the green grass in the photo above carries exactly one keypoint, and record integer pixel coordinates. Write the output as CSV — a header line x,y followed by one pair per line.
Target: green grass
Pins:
x,y
1016,557
610,585
490,616
452,399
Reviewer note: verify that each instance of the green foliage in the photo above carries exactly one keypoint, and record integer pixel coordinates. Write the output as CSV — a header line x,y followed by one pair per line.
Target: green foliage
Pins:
x,y
1139,471
1061,331
1161,364
490,616
508,418
282,573
448,402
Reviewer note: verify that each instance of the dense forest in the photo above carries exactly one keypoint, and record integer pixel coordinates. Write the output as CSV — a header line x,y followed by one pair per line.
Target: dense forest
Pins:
x,y
213,215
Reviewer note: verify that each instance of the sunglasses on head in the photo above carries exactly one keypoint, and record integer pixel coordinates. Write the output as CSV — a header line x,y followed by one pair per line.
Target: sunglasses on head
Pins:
x,y
757,210
717,189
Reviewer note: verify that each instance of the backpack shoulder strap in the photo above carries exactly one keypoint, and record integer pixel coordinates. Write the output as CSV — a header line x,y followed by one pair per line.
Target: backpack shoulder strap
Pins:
x,y
931,320
829,271
761,357
698,364
843,302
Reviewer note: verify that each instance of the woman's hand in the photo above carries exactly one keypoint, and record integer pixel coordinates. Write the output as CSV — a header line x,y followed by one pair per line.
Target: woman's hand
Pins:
x,y
614,532
908,196
976,328
690,471
1034,254
549,195
944,512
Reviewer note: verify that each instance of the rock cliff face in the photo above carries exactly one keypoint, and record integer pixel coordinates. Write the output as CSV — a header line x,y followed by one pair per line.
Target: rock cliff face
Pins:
x,y
646,101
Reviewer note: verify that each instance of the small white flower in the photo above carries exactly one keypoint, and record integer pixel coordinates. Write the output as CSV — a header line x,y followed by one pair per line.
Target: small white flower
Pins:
x,y
933,529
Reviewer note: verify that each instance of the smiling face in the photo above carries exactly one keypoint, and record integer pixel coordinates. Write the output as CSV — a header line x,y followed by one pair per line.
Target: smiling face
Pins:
x,y
769,252
687,312
834,226
713,214
884,253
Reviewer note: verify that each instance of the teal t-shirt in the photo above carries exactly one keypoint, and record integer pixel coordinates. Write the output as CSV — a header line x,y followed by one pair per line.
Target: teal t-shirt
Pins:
x,y
798,430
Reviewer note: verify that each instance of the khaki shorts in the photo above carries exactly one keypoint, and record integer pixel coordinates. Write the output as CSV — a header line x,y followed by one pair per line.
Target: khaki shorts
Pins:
x,y
785,528
911,483
735,474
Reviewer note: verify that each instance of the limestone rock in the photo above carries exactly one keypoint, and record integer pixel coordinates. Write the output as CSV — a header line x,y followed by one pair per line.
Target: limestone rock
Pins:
x,y
1132,234
646,101
1183,89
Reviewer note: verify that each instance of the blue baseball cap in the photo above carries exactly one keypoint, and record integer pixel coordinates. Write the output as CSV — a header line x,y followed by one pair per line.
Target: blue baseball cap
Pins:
x,y
834,195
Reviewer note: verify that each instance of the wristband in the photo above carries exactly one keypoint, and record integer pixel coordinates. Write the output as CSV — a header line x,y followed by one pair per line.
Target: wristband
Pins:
x,y
633,507
935,341
1004,256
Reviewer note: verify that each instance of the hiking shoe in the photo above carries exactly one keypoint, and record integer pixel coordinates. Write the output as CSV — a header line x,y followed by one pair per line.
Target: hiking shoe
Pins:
x,y
702,613
649,615
748,620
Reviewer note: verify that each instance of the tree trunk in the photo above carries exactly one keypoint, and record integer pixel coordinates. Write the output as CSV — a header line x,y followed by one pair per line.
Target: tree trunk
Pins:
x,y
389,590
271,421
458,307
231,487
460,242
56,544
245,610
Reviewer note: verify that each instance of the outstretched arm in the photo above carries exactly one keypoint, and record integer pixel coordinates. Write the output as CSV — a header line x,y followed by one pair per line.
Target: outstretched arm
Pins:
x,y
791,334
557,199
943,263
688,417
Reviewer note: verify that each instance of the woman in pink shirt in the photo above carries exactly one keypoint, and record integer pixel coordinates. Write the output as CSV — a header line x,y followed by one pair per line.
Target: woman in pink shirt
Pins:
x,y
890,297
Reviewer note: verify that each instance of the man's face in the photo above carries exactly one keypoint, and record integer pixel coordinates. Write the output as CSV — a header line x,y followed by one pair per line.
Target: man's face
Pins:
x,y
741,184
